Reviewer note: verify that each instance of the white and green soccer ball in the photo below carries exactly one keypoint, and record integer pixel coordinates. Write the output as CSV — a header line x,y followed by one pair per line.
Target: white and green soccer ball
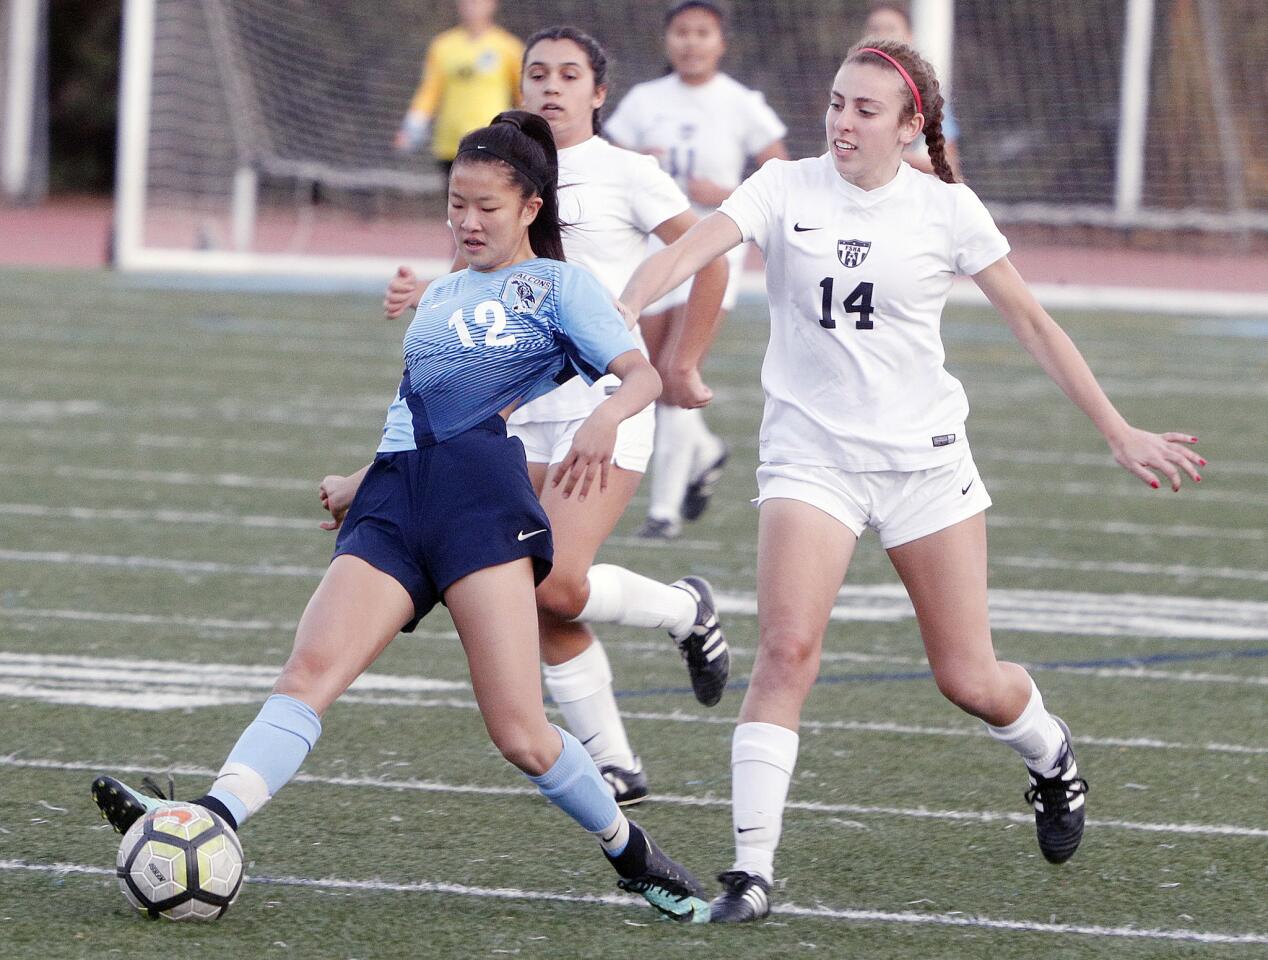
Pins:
x,y
182,862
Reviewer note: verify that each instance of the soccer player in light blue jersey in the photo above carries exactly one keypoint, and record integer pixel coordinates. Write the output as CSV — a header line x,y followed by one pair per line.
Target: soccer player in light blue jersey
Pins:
x,y
447,513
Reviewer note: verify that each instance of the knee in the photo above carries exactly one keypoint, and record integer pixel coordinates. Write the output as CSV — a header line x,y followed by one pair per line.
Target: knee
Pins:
x,y
563,593
302,675
531,753
975,691
790,654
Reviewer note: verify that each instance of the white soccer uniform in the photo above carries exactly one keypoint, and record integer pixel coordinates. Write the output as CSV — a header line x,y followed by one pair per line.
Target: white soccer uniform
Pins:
x,y
857,279
610,200
708,131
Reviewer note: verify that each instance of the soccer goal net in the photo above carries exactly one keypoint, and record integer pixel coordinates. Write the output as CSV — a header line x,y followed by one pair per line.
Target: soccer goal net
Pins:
x,y
257,135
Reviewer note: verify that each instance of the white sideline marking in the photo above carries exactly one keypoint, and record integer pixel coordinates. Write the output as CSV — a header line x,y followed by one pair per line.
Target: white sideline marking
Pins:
x,y
1178,571
1034,611
210,518
1133,490
138,685
158,685
435,786
956,919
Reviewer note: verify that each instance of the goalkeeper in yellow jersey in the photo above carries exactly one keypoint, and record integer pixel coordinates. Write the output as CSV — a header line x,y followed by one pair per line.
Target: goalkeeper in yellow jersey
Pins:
x,y
471,73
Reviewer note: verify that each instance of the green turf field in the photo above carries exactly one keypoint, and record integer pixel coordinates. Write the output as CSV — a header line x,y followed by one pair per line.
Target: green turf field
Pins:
x,y
159,457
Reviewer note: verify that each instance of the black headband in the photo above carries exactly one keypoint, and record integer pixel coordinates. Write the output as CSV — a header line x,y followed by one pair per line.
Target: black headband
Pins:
x,y
514,164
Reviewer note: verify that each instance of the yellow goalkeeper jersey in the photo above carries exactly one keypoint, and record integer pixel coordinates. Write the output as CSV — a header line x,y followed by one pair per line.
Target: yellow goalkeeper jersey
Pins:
x,y
467,81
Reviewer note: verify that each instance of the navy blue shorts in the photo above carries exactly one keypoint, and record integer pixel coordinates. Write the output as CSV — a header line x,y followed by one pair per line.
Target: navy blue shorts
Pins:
x,y
429,517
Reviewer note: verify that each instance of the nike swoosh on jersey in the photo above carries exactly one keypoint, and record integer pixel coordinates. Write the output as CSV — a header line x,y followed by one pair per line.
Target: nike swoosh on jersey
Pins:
x,y
798,228
966,489
524,536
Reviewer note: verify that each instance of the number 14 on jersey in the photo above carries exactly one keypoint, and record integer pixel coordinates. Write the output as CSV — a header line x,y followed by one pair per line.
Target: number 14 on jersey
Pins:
x,y
859,301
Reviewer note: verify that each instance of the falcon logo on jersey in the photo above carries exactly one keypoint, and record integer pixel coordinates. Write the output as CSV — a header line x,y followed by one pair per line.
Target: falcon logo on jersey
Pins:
x,y
852,252
524,293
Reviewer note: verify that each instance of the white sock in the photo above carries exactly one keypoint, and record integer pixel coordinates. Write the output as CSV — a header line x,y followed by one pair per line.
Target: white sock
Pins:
x,y
763,756
582,689
672,459
630,599
1035,735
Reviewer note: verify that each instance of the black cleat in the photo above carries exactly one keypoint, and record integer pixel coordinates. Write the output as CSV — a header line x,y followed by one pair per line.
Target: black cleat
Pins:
x,y
1059,804
628,786
654,528
746,897
122,805
704,647
696,500
662,882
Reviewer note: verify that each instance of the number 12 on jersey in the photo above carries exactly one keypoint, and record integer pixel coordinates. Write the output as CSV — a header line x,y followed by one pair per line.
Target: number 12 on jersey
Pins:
x,y
859,301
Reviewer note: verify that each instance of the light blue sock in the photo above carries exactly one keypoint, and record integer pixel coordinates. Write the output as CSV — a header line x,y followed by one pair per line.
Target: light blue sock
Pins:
x,y
266,756
575,786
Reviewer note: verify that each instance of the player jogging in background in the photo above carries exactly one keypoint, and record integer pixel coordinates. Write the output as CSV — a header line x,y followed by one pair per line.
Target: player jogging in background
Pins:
x,y
703,127
864,427
447,512
891,20
612,200
470,73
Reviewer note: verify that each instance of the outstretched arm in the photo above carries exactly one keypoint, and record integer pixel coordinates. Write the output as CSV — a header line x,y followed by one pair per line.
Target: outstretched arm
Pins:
x,y
1138,451
665,269
703,313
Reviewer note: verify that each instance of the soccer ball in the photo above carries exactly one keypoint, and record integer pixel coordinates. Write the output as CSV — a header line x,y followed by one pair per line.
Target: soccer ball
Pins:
x,y
182,862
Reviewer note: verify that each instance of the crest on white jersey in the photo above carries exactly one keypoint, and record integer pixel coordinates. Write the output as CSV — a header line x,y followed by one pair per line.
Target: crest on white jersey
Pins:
x,y
524,293
852,252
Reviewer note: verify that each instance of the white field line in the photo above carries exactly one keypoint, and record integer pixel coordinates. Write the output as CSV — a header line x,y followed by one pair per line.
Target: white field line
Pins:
x,y
148,517
1042,611
138,685
1209,493
1057,458
807,806
179,441
1177,570
256,521
909,918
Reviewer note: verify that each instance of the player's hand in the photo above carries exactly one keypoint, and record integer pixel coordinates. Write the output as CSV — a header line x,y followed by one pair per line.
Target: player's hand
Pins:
x,y
706,193
590,455
1141,453
400,293
685,389
336,495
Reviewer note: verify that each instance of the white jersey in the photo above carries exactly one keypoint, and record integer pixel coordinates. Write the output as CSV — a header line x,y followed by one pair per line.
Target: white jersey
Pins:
x,y
857,280
610,200
707,130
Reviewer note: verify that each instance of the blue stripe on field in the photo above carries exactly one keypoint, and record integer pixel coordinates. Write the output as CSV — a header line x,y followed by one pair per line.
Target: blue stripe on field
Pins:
x,y
1151,660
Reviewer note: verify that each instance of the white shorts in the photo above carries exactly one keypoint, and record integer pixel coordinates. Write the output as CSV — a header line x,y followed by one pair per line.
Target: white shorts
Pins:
x,y
678,296
899,505
549,441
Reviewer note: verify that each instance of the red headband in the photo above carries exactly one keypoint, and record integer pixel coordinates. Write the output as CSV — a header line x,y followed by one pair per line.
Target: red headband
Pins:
x,y
901,69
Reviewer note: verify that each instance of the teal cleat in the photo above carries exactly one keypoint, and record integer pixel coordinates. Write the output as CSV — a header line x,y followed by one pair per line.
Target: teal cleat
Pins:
x,y
123,806
663,882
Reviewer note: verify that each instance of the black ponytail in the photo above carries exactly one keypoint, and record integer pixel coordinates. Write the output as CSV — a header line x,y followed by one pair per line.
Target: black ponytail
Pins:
x,y
594,52
523,143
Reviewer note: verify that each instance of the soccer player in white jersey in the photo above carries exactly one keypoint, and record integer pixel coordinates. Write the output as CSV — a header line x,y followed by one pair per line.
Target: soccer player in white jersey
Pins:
x,y
447,511
611,200
864,427
704,127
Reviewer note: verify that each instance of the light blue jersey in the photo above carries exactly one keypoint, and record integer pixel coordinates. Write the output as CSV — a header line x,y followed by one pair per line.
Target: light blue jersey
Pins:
x,y
481,341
